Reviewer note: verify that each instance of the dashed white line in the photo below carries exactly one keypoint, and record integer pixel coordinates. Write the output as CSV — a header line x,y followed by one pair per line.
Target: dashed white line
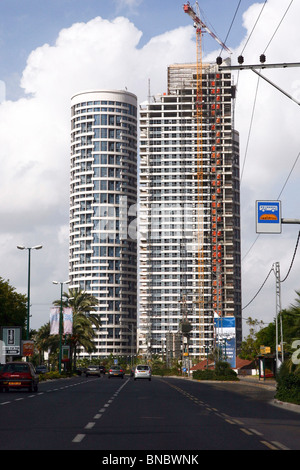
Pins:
x,y
269,445
89,425
281,446
79,438
246,431
255,432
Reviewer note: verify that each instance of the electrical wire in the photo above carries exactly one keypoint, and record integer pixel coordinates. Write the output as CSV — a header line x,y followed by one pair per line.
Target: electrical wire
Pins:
x,y
292,169
250,128
234,16
285,183
295,251
254,26
278,26
243,308
291,265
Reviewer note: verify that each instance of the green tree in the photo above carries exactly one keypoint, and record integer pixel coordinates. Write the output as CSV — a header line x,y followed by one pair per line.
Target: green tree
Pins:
x,y
46,342
13,306
250,346
267,337
84,320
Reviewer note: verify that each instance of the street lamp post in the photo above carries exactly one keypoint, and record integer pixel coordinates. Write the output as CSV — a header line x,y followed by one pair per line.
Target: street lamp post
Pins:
x,y
60,320
21,247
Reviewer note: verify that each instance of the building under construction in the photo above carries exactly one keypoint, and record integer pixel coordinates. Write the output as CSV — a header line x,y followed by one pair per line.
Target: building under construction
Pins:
x,y
190,269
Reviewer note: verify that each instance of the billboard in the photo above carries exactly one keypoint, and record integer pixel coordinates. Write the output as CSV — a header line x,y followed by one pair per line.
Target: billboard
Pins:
x,y
268,216
225,335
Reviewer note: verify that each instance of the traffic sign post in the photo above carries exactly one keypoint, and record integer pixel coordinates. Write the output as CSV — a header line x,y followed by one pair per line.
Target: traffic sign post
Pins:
x,y
268,217
268,220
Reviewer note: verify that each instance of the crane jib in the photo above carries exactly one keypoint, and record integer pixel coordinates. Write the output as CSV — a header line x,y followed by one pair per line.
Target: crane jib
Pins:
x,y
188,9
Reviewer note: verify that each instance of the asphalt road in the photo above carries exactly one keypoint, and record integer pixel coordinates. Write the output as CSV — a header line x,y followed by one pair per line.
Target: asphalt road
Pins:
x,y
164,415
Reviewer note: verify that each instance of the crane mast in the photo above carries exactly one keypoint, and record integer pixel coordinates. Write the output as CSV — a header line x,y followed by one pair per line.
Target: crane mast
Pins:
x,y
200,29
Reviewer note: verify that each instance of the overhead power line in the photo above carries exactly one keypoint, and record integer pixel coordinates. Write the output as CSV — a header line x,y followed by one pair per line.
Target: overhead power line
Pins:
x,y
243,308
295,251
278,26
272,269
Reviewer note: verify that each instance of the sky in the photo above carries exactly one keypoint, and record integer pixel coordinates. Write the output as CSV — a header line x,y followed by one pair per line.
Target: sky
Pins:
x,y
51,49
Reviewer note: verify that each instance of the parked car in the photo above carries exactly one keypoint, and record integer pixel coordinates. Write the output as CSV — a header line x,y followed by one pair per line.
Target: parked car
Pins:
x,y
116,371
80,370
142,372
41,369
102,369
92,370
16,375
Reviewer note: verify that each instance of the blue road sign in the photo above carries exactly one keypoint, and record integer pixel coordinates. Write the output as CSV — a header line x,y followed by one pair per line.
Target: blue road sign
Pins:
x,y
268,216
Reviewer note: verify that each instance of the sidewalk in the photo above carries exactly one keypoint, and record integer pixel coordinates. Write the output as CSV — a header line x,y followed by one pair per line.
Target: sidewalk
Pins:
x,y
269,384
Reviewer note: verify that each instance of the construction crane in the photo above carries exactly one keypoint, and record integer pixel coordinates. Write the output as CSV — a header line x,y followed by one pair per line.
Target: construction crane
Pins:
x,y
200,25
200,29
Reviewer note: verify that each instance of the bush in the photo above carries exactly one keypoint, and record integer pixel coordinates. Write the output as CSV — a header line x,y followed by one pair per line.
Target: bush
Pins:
x,y
288,388
204,374
222,372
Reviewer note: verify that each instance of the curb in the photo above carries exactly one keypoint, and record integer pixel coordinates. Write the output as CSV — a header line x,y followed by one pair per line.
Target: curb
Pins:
x,y
287,405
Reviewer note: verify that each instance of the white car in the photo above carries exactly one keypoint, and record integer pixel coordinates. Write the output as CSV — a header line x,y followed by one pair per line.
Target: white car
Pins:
x,y
142,372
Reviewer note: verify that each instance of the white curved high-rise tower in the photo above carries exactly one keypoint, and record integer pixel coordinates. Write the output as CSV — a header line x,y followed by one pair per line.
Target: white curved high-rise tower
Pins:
x,y
103,197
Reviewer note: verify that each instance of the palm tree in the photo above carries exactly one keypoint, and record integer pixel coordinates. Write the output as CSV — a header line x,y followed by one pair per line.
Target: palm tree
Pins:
x,y
84,320
45,342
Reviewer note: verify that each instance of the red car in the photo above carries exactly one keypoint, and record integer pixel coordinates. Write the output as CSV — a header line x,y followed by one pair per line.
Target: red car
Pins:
x,y
16,375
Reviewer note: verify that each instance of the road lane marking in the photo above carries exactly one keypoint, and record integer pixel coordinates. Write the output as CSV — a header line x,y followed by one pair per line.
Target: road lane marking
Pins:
x,y
229,421
269,445
79,438
281,446
237,421
89,425
246,431
256,432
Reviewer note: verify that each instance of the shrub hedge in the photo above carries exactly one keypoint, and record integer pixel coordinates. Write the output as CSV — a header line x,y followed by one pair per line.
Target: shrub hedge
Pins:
x,y
221,372
288,388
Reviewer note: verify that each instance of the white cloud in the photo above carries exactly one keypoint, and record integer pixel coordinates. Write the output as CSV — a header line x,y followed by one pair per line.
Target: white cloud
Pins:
x,y
99,54
35,136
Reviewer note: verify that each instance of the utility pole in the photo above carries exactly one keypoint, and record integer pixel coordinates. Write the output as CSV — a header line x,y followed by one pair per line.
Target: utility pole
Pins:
x,y
278,312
